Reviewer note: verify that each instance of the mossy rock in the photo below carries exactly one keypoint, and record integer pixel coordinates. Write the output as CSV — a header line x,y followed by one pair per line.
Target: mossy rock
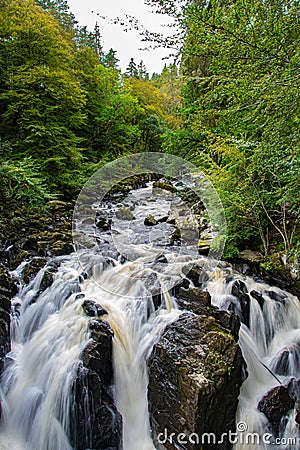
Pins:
x,y
160,184
33,268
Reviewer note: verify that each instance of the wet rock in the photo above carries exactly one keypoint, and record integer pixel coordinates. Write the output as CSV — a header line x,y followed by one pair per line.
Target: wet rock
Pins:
x,y
150,221
293,387
297,417
161,259
198,275
195,373
8,285
103,223
61,248
163,219
204,246
282,363
275,404
124,213
192,301
175,238
171,220
195,294
228,320
259,297
92,309
48,278
239,290
161,184
95,420
157,301
8,289
184,283
278,297
5,346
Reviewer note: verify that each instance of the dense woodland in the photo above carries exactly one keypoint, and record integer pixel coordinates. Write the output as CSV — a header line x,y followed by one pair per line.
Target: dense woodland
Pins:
x,y
229,104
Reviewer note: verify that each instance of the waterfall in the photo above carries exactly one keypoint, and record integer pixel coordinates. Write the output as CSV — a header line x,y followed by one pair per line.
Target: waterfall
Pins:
x,y
270,346
50,331
48,336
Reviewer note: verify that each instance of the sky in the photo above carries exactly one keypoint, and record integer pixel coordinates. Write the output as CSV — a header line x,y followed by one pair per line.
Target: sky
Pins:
x,y
128,43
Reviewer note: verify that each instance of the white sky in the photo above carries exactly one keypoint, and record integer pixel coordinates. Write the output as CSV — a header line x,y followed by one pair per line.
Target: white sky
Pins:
x,y
113,36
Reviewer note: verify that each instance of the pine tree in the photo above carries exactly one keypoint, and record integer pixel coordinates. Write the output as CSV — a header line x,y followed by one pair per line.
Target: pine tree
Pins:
x,y
60,10
97,42
110,59
142,71
132,70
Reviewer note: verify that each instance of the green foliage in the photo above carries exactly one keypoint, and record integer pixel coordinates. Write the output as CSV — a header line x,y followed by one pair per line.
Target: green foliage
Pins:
x,y
132,70
65,108
21,182
240,62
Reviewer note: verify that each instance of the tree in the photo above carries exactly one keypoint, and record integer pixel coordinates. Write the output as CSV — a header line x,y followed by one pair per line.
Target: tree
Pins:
x,y
60,10
97,43
42,102
132,70
111,59
240,110
142,71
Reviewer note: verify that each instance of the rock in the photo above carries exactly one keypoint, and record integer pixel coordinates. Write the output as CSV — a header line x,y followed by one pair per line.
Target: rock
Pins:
x,y
175,237
150,221
293,387
161,184
124,213
195,373
5,346
204,246
163,219
171,220
275,404
198,275
278,297
195,294
259,297
8,285
95,422
161,259
103,223
8,289
48,278
93,309
239,290
61,248
227,319
297,417
251,256
32,268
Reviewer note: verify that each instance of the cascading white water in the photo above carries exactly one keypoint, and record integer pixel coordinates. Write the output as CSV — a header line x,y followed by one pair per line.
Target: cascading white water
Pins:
x,y
274,331
36,383
50,331
136,328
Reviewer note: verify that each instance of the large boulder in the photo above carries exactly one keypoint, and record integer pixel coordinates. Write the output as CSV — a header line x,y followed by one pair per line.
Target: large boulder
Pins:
x,y
195,374
278,402
95,421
